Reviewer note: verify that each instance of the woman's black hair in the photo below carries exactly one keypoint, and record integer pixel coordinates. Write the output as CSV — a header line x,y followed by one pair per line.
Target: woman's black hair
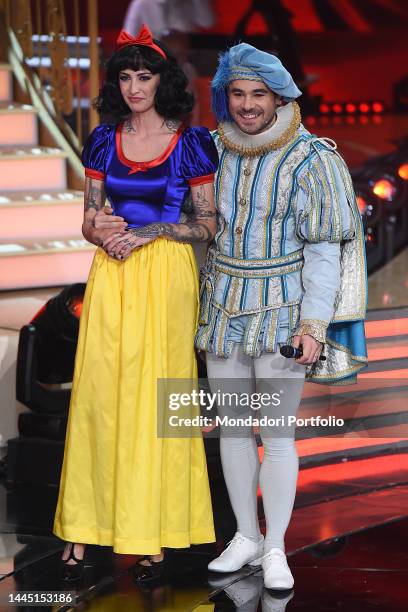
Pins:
x,y
171,100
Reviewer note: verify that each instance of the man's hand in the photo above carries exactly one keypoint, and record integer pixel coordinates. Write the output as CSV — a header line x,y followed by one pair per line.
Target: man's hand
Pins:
x,y
103,225
106,220
311,349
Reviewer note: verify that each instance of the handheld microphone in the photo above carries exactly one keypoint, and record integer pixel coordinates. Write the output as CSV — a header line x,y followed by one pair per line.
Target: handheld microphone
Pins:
x,y
290,352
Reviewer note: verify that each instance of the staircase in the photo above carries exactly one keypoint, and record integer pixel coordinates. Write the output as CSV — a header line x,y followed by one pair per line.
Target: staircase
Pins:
x,y
40,238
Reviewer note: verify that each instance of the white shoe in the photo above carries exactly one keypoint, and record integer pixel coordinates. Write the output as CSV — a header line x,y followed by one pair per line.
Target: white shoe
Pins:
x,y
273,604
245,593
240,551
277,574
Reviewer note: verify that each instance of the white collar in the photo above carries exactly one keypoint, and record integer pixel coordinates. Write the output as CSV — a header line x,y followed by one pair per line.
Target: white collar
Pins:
x,y
280,133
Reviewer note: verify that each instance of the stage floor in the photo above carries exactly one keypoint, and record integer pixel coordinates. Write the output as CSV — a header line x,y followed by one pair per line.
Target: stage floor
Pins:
x,y
346,538
354,572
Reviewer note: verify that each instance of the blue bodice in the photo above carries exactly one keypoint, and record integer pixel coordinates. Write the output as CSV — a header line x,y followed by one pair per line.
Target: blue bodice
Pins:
x,y
148,192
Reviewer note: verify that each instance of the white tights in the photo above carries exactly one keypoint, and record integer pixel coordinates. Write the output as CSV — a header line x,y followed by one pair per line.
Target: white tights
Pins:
x,y
277,476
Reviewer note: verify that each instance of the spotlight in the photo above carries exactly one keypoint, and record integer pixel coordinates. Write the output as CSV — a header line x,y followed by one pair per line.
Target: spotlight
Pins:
x,y
371,212
74,305
381,185
310,120
324,109
403,171
45,365
371,108
368,205
46,353
385,189
364,107
377,107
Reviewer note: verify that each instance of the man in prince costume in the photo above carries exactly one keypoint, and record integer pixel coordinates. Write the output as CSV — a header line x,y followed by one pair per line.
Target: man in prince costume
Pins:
x,y
287,266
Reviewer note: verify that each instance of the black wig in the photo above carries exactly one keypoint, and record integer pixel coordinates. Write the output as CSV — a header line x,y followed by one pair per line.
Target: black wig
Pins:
x,y
172,100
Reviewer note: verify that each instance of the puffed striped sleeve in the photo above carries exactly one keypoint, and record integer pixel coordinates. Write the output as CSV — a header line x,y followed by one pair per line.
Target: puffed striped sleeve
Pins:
x,y
325,202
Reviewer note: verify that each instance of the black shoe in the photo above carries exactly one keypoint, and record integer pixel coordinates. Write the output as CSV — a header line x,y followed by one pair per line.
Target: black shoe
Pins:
x,y
72,571
148,574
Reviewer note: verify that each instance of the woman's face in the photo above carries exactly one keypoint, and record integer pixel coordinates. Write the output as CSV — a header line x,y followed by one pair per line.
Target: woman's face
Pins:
x,y
138,89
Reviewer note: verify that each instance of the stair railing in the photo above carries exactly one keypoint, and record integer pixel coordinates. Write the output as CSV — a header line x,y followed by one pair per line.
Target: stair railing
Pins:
x,y
56,61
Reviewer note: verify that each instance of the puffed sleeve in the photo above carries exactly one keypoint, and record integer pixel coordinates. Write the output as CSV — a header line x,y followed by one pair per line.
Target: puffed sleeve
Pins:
x,y
199,159
325,198
324,217
96,151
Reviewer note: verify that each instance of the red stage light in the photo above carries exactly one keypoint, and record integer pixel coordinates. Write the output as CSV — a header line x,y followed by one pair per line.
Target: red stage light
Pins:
x,y
337,108
403,171
362,204
378,107
350,120
363,119
384,189
310,121
324,108
364,107
351,108
74,306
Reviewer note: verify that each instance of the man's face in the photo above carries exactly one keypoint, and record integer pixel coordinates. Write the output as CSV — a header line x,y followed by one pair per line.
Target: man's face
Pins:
x,y
252,105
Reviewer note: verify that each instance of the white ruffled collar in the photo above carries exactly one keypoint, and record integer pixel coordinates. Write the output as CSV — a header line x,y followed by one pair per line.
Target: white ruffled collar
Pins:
x,y
280,133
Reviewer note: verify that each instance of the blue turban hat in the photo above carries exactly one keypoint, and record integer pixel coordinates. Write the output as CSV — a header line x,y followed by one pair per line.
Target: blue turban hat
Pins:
x,y
246,62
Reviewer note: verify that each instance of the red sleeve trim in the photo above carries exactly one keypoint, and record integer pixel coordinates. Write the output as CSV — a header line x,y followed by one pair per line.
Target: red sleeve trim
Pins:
x,y
95,174
201,180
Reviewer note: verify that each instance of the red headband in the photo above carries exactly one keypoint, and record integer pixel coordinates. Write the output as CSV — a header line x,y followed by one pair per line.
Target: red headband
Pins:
x,y
144,38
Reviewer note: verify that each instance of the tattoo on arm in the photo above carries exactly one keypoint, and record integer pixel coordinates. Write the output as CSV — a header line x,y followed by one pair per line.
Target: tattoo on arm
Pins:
x,y
95,196
94,200
197,228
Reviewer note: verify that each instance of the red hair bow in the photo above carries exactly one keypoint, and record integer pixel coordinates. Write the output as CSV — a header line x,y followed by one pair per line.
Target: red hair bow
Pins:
x,y
144,38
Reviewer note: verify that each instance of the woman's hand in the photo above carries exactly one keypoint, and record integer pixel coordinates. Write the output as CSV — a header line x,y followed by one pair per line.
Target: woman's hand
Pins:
x,y
120,246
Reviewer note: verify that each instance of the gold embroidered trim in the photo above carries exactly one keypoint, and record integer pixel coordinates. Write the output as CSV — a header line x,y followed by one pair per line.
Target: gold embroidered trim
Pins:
x,y
276,143
263,273
249,263
312,327
345,349
252,311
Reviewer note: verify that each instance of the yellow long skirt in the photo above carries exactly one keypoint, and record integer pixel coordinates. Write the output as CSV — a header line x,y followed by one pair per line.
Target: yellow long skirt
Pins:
x,y
122,485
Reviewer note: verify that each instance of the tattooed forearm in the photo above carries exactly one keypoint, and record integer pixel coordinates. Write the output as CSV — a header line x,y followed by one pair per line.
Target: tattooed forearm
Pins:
x,y
149,231
94,201
94,196
191,231
199,227
201,204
